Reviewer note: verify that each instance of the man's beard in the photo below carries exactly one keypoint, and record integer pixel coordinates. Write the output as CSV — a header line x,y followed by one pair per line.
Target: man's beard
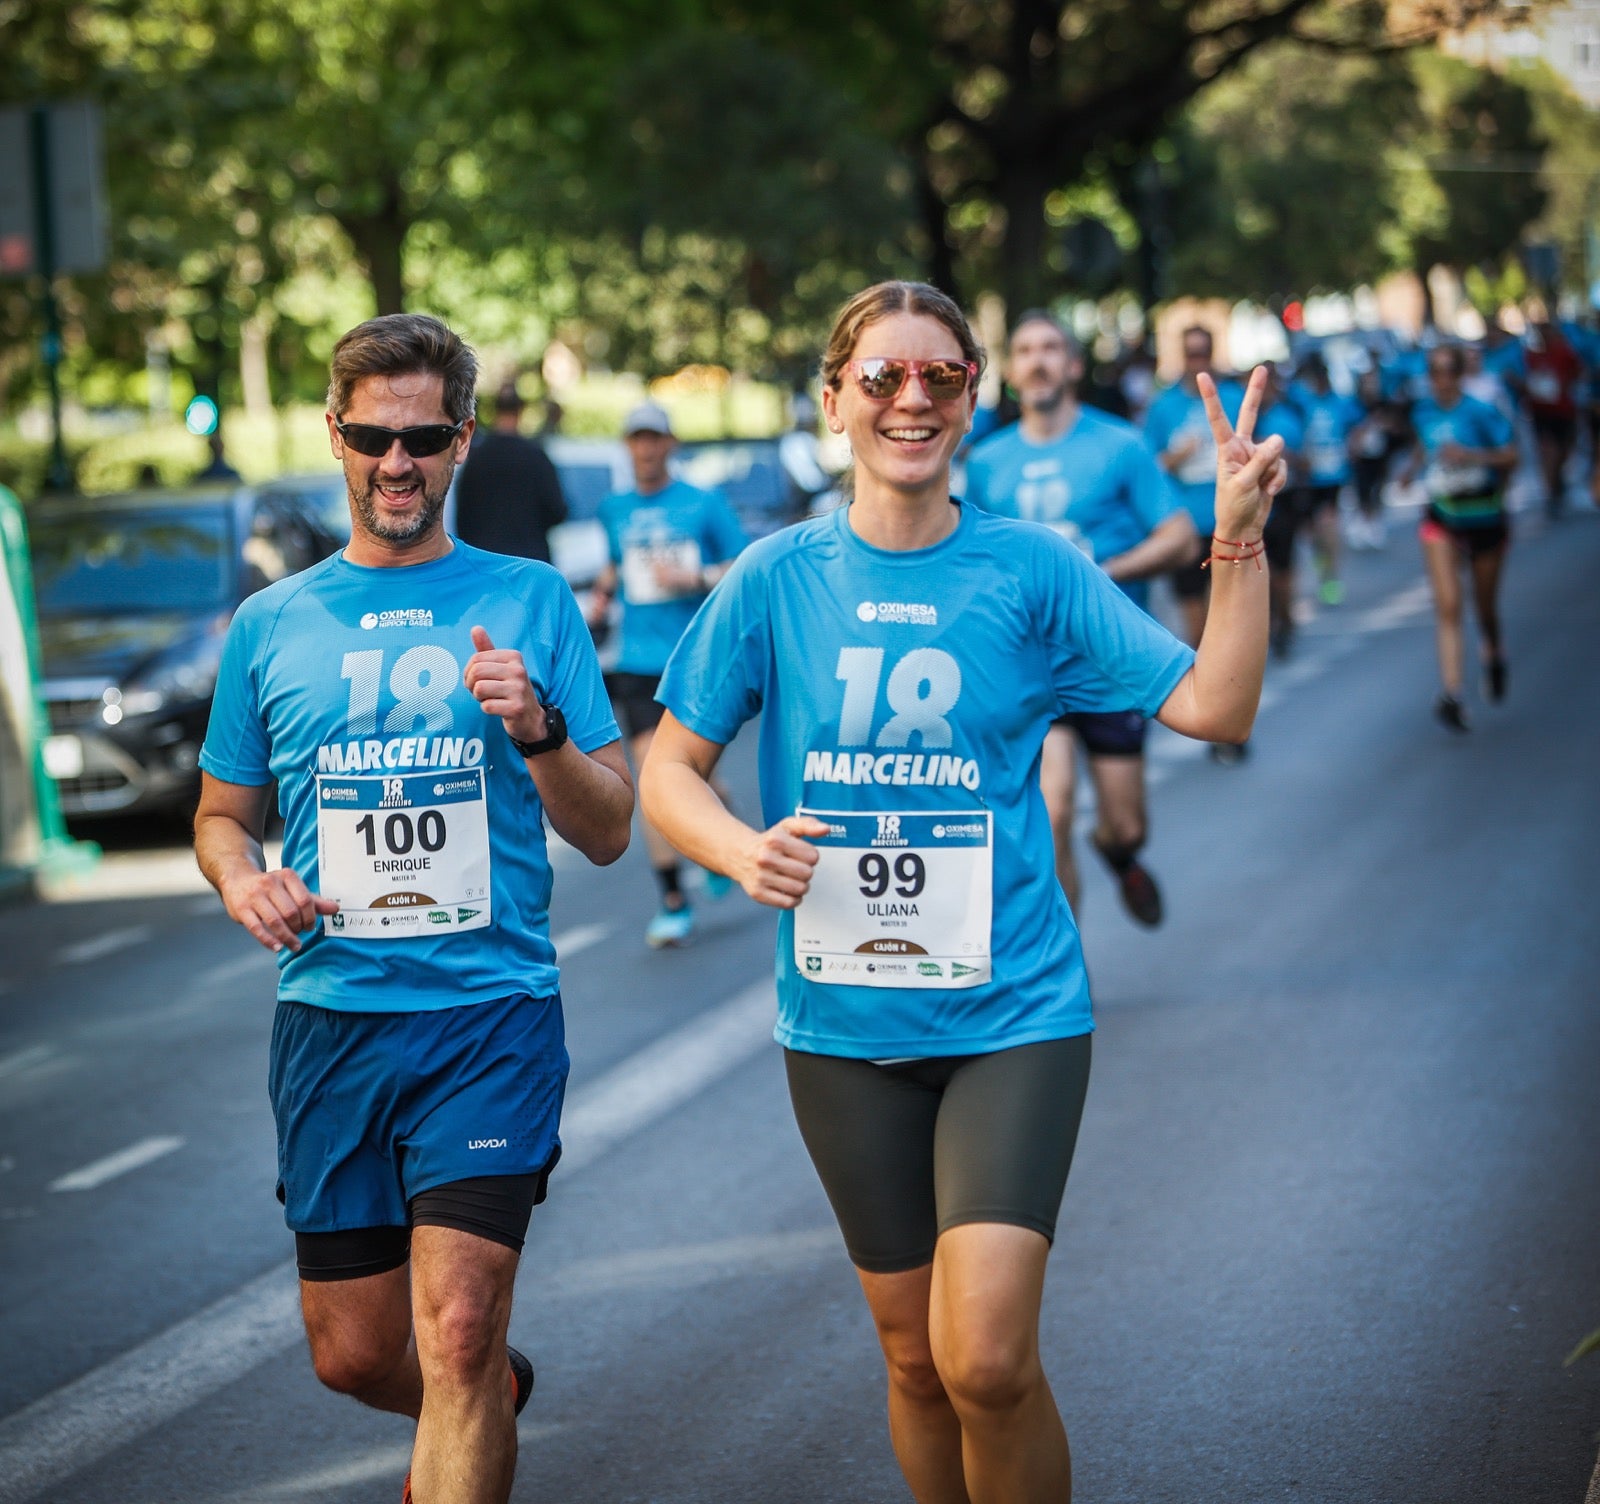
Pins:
x,y
1050,399
400,531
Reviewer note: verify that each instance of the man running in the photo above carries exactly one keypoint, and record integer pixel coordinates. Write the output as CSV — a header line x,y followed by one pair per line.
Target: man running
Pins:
x,y
1178,432
1086,476
670,543
1330,419
424,708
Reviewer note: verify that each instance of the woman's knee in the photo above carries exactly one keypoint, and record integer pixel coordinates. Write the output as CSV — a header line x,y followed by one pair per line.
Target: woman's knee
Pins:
x,y
914,1375
988,1373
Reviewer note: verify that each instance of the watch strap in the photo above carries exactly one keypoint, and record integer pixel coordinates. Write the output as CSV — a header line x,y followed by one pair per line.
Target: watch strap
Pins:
x,y
555,736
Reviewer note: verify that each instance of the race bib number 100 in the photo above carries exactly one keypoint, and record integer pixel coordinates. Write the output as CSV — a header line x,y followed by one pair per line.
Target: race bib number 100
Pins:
x,y
898,900
405,855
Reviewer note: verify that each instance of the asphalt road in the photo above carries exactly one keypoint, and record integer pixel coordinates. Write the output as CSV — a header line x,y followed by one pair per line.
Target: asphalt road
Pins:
x,y
1333,1225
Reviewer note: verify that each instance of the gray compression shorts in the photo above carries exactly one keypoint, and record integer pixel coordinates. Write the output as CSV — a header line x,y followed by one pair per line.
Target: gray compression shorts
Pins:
x,y
908,1150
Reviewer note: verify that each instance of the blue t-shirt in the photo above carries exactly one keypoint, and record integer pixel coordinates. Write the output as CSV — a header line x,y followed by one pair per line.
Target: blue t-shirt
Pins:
x,y
1176,416
1096,485
1404,376
1283,421
344,684
679,524
903,686
1329,421
1509,361
1462,495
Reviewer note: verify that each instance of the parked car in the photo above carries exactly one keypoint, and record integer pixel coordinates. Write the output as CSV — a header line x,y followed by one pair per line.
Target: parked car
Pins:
x,y
758,478
134,598
322,492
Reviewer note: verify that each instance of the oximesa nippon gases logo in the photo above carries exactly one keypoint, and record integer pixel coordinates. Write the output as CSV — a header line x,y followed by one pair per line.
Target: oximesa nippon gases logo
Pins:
x,y
369,621
912,613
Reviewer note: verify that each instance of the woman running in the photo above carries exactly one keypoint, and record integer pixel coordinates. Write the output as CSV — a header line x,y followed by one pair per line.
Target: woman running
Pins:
x,y
908,654
1469,450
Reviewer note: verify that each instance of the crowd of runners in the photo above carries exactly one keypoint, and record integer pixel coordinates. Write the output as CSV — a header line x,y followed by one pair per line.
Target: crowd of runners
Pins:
x,y
925,660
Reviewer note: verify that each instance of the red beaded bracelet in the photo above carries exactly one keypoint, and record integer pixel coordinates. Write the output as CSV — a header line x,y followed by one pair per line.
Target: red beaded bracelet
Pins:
x,y
1252,550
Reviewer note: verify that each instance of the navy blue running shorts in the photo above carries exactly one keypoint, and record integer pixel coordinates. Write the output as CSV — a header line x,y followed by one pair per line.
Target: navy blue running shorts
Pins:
x,y
1107,733
374,1108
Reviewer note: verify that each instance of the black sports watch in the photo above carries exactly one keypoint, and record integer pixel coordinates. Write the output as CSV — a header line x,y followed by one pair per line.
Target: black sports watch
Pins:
x,y
554,737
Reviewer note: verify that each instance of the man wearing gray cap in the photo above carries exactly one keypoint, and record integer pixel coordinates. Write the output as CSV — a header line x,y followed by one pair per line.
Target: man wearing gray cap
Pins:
x,y
670,542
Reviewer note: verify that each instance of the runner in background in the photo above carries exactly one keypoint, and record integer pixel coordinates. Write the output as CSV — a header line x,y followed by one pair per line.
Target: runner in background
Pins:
x,y
670,542
907,654
1177,432
1086,476
1282,419
1465,451
1329,419
1383,432
1553,388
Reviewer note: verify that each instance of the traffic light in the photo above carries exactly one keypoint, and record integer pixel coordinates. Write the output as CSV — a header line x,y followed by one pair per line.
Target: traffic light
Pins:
x,y
200,416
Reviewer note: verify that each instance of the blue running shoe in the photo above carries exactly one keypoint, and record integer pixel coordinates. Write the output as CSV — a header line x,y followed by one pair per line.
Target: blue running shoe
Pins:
x,y
670,927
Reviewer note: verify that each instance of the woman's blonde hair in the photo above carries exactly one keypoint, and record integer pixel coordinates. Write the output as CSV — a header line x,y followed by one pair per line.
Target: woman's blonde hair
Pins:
x,y
879,302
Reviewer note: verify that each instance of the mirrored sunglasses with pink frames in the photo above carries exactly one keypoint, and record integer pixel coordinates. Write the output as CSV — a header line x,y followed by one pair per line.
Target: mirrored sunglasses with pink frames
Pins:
x,y
879,378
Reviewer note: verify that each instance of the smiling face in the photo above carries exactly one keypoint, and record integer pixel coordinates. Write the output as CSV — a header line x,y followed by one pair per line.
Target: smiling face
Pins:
x,y
903,445
396,501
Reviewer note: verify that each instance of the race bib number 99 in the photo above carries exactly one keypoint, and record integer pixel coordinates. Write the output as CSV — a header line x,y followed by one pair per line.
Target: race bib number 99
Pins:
x,y
405,855
898,900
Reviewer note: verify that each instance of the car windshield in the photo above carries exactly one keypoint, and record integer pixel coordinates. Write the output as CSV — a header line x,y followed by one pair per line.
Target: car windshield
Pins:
x,y
177,558
749,476
326,500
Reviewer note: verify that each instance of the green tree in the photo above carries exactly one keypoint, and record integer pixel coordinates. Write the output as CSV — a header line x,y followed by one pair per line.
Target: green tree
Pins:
x,y
1288,181
1002,103
1483,150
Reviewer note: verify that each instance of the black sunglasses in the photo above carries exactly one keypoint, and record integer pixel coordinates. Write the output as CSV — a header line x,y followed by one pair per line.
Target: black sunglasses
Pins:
x,y
419,442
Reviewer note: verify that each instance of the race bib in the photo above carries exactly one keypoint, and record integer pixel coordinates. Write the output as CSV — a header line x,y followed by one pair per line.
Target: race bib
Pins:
x,y
640,586
1201,466
1327,459
1544,386
1458,480
898,900
405,855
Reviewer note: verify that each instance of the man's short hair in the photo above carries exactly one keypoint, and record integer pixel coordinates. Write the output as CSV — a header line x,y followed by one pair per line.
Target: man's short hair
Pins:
x,y
1044,316
508,399
400,344
1199,329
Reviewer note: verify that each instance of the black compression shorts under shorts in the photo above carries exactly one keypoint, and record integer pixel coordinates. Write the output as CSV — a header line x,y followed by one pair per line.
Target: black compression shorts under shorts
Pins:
x,y
633,697
495,1207
908,1150
1191,581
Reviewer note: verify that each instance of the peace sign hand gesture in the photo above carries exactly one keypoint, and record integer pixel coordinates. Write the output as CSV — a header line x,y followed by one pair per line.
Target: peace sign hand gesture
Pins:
x,y
1249,474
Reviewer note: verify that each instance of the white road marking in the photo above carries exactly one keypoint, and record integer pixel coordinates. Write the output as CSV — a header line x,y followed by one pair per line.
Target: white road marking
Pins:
x,y
648,1085
25,1060
103,945
579,938
694,1264
134,1157
257,960
78,1424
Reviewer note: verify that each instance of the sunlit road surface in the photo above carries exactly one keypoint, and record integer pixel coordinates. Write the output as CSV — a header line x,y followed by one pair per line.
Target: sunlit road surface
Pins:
x,y
1331,1230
